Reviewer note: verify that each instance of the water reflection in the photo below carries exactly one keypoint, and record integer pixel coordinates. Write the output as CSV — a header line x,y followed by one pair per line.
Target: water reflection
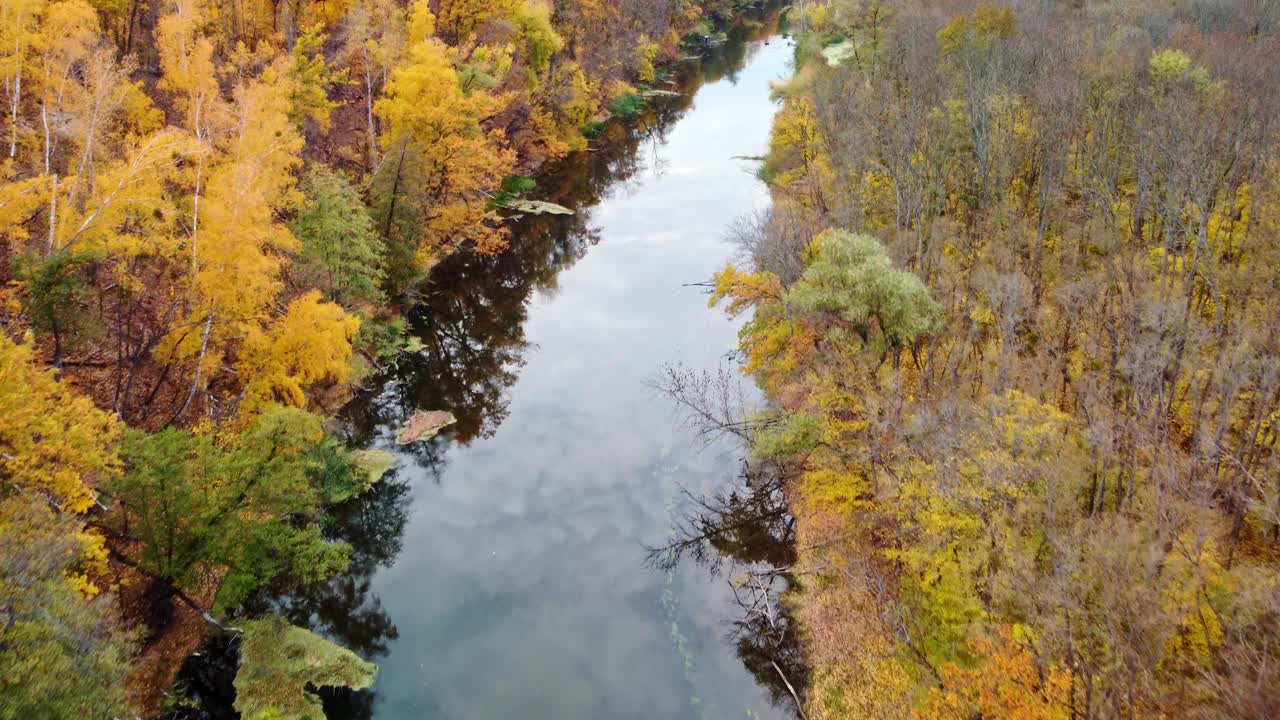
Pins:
x,y
580,636
473,311
345,607
746,533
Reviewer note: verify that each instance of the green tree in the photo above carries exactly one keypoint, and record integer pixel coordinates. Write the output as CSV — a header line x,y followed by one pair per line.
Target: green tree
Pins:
x,y
340,244
249,504
57,290
851,276
400,215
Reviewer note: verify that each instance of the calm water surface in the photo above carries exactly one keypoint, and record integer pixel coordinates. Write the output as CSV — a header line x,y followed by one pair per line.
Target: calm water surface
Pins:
x,y
500,571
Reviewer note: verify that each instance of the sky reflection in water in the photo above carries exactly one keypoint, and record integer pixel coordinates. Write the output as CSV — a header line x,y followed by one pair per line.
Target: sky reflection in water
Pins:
x,y
500,572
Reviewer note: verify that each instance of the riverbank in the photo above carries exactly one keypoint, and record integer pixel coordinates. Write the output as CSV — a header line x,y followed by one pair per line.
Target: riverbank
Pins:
x,y
679,70
509,549
1004,380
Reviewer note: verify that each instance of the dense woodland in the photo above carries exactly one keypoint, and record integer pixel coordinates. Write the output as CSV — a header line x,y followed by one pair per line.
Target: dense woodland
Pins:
x,y
212,213
1016,307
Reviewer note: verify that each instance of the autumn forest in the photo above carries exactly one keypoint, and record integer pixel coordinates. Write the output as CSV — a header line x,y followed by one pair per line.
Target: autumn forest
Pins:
x,y
213,213
1013,310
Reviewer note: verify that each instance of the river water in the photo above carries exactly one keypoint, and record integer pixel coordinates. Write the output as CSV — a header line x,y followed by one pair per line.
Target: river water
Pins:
x,y
499,571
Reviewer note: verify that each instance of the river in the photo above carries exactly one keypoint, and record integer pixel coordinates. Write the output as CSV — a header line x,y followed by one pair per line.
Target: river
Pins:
x,y
500,570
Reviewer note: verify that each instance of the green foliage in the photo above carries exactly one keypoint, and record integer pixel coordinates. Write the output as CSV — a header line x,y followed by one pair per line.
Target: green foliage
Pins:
x,y
851,276
626,105
386,338
62,655
249,504
340,245
280,664
787,435
57,289
513,186
399,215
592,130
335,474
342,474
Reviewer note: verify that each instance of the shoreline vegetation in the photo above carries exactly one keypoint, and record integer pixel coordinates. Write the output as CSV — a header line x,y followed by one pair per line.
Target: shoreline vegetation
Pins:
x,y
213,213
1015,312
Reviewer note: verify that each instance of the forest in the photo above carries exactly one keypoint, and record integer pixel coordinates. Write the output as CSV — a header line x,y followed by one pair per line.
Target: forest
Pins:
x,y
215,215
1014,309
1016,312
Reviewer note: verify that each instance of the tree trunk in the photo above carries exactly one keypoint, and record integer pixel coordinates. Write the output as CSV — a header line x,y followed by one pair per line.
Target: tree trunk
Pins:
x,y
368,108
15,100
195,384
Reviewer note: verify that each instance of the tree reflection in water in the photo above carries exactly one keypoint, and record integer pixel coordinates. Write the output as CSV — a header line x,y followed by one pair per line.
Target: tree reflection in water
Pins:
x,y
744,532
470,317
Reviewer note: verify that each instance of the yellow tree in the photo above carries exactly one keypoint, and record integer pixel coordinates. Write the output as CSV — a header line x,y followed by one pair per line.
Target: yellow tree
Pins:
x,y
373,39
79,89
460,18
54,445
798,156
18,29
427,114
244,247
125,210
309,345
186,57
236,274
52,441
68,35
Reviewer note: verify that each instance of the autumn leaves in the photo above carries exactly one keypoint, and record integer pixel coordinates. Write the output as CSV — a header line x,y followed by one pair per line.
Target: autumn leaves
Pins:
x,y
1036,415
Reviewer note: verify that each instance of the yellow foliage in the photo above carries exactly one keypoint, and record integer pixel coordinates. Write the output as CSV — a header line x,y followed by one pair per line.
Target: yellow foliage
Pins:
x,y
1004,683
1228,226
186,57
425,104
744,290
311,344
52,441
644,53
237,238
797,151
962,511
876,194
18,200
128,195
987,24
460,18
832,490
1195,578
816,17
93,558
1171,65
